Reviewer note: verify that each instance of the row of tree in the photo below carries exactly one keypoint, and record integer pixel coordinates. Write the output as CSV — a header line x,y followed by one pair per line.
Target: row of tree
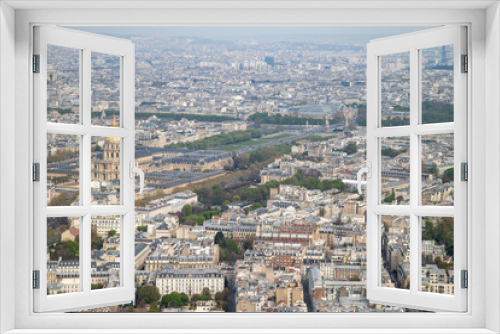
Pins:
x,y
60,155
218,196
219,140
149,294
245,160
63,199
195,215
432,112
304,179
390,152
279,119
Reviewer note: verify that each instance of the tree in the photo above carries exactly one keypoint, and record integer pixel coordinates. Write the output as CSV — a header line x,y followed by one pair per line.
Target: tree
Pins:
x,y
390,152
153,307
232,245
96,242
241,161
434,170
187,210
184,298
389,199
448,175
142,228
229,250
149,294
222,299
112,233
441,232
225,294
248,243
218,238
206,292
218,296
351,148
175,297
436,112
202,298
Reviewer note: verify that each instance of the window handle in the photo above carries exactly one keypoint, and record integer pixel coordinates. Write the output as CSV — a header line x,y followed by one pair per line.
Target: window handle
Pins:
x,y
366,169
139,171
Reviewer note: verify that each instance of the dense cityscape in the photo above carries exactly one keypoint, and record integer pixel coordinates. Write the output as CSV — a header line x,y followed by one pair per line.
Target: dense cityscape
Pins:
x,y
250,149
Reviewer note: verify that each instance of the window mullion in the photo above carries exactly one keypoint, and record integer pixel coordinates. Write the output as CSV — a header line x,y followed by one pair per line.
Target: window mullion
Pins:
x,y
414,168
85,173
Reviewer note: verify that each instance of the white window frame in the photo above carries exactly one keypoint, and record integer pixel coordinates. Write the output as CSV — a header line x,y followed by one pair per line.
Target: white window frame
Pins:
x,y
85,43
412,44
484,101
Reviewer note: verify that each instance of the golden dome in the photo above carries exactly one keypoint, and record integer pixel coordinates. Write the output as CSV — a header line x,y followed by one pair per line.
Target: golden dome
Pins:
x,y
113,140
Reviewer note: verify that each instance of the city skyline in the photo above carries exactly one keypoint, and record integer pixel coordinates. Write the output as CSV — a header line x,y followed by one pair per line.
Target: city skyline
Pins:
x,y
232,32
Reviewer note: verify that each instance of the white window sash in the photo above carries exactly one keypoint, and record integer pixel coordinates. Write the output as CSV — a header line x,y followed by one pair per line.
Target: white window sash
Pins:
x,y
86,43
412,43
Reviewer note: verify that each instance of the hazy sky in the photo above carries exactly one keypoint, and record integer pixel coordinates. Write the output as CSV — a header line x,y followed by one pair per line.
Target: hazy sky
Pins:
x,y
246,32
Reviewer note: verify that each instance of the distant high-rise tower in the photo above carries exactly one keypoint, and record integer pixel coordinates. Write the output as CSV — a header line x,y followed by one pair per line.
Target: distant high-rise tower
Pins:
x,y
307,125
269,61
444,59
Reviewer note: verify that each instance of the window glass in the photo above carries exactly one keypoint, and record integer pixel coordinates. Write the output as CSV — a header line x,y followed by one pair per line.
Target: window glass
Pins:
x,y
106,170
106,76
438,275
395,171
63,255
395,89
63,85
437,170
437,84
395,252
63,170
105,246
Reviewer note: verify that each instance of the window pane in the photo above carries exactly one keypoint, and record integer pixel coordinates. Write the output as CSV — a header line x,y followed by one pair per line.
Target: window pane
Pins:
x,y
437,170
63,85
63,247
63,170
437,255
105,89
437,84
395,89
396,251
106,170
105,245
395,172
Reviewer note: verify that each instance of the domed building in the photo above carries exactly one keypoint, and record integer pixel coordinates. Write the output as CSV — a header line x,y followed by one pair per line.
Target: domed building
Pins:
x,y
106,167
